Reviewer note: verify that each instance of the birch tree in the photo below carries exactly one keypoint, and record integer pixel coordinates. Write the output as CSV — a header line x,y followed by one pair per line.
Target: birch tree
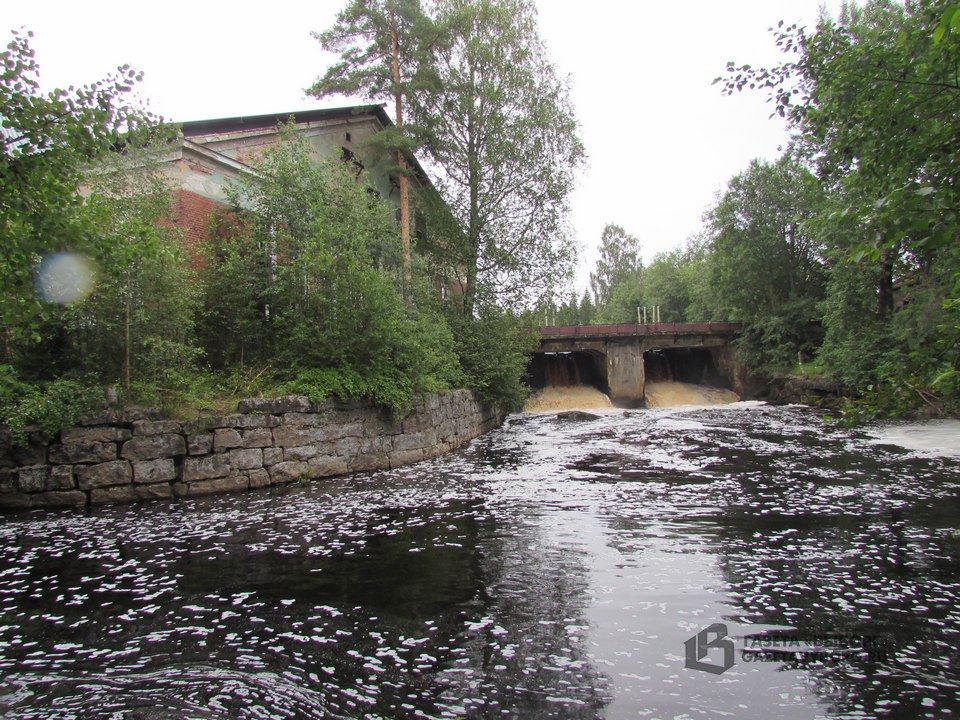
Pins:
x,y
500,127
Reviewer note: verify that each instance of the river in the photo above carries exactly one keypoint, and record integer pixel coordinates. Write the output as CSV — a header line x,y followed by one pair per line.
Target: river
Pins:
x,y
739,561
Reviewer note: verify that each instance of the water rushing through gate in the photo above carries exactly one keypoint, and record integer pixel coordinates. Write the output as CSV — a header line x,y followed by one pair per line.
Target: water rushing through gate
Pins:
x,y
552,569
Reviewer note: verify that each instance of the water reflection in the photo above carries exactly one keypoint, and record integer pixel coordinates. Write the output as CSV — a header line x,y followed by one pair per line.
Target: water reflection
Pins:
x,y
551,569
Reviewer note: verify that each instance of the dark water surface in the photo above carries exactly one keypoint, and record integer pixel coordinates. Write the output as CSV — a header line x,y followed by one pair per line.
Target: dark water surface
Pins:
x,y
552,569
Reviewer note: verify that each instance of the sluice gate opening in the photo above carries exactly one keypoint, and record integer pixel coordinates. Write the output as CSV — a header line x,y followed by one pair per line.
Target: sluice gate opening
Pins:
x,y
688,365
567,369
567,381
684,376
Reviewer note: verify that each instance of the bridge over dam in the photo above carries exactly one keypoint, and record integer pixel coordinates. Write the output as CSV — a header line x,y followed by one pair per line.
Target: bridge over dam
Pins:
x,y
620,359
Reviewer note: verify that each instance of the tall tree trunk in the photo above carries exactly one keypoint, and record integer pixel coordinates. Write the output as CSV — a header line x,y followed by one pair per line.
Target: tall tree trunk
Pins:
x,y
403,166
126,340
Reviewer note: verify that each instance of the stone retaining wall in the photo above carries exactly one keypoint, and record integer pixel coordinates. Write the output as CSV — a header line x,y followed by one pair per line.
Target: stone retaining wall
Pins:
x,y
114,457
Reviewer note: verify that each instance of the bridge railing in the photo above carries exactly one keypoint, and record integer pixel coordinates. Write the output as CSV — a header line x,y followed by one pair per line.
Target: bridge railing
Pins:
x,y
632,330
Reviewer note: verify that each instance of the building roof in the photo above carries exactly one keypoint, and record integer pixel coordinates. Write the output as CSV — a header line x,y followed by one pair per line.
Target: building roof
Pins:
x,y
194,128
215,126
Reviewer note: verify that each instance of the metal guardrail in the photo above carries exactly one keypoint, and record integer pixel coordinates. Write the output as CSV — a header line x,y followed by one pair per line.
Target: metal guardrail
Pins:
x,y
633,330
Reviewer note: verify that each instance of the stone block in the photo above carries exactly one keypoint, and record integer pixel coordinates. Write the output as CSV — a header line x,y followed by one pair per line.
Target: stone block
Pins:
x,y
352,429
226,438
366,462
103,417
16,501
205,468
121,417
33,453
414,441
150,447
60,498
232,483
276,406
146,472
246,459
399,458
200,444
272,456
328,466
132,415
94,434
8,481
304,452
259,478
287,472
130,493
115,472
157,427
413,423
240,422
32,479
288,436
257,438
61,478
303,419
95,452
348,447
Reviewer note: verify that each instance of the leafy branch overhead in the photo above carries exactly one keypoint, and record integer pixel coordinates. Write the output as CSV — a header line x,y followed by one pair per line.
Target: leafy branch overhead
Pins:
x,y
489,112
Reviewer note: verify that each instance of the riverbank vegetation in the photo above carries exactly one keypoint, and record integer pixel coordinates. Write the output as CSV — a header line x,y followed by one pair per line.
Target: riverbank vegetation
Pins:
x,y
845,250
309,284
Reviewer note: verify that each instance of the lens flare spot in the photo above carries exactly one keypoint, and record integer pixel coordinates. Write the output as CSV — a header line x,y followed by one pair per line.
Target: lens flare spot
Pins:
x,y
65,278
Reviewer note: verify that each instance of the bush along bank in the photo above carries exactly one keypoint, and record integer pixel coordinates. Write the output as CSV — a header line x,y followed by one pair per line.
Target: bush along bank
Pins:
x,y
131,455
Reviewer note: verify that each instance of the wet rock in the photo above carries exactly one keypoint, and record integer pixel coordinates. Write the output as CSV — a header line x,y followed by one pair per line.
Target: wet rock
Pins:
x,y
576,415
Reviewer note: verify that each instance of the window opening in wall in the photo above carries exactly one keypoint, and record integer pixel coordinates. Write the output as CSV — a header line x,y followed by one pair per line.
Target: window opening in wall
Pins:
x,y
347,155
420,225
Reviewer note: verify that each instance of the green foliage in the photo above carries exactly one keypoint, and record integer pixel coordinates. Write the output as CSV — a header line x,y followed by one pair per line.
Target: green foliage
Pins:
x,y
48,141
494,351
498,123
871,98
391,390
306,280
47,406
138,325
235,278
623,300
766,267
619,262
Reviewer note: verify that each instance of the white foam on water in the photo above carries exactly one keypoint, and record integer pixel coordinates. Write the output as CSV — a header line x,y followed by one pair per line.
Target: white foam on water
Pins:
x,y
927,437
676,394
577,397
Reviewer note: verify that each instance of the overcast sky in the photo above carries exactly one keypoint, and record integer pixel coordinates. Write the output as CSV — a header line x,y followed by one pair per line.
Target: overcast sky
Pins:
x,y
661,139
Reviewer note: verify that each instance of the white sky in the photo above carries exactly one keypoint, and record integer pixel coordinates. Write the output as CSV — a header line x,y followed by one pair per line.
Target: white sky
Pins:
x,y
662,141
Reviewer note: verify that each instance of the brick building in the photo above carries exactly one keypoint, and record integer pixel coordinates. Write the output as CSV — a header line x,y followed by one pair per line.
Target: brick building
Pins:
x,y
212,153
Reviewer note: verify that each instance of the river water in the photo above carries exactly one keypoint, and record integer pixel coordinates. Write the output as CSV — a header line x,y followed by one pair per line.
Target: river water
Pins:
x,y
551,569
